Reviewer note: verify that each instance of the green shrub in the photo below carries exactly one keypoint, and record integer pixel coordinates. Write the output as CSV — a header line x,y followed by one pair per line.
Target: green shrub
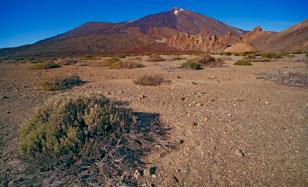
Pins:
x,y
191,64
87,139
45,65
59,83
149,80
156,58
243,62
125,65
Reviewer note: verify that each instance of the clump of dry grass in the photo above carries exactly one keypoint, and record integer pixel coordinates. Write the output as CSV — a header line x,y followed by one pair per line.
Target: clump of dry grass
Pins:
x,y
106,62
87,139
199,62
66,62
125,65
45,65
191,64
59,83
244,62
149,80
296,78
156,58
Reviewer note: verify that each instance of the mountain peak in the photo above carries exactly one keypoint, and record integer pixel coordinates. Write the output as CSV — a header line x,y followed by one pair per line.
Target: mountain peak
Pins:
x,y
177,11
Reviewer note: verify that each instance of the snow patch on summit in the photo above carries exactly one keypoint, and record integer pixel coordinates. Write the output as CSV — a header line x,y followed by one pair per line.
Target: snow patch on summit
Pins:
x,y
177,11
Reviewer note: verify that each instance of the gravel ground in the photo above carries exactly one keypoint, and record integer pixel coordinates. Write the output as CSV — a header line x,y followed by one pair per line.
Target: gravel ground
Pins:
x,y
232,129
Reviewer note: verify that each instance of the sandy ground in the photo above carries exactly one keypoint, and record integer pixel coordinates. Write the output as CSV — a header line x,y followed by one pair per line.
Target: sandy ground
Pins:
x,y
234,129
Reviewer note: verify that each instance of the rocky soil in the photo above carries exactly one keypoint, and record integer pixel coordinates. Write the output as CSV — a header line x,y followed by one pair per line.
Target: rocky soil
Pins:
x,y
232,129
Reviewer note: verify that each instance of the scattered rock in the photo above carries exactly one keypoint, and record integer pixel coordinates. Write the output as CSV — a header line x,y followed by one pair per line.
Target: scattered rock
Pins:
x,y
239,152
150,172
195,123
199,104
205,119
266,102
137,174
183,98
142,96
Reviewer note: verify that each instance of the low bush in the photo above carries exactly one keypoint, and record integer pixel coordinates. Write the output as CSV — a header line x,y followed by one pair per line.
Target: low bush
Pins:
x,y
68,62
271,55
149,80
45,65
59,83
156,58
87,140
243,62
207,60
191,64
106,62
126,65
226,53
288,78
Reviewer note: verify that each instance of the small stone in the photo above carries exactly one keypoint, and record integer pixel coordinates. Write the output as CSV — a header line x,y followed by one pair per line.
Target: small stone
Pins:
x,y
266,102
108,93
239,152
162,103
142,96
183,98
205,119
137,174
149,172
195,123
5,97
199,104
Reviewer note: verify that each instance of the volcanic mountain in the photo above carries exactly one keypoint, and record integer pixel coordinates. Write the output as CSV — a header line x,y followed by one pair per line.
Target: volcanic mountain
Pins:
x,y
174,30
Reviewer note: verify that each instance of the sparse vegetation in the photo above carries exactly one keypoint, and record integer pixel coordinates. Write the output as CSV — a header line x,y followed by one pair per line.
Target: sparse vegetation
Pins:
x,y
191,64
244,62
149,80
271,55
156,58
106,62
59,83
45,65
68,62
87,139
126,65
289,78
226,53
207,60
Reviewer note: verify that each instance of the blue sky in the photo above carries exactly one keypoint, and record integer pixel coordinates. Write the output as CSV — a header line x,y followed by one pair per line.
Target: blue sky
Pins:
x,y
27,21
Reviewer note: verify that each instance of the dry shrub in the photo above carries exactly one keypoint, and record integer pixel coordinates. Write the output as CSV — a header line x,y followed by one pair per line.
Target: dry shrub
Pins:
x,y
45,65
208,60
87,140
271,55
191,64
149,80
66,62
244,62
106,62
59,83
156,58
126,65
289,78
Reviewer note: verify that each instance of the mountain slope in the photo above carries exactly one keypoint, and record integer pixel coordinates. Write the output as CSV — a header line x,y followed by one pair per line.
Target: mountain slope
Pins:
x,y
294,38
174,30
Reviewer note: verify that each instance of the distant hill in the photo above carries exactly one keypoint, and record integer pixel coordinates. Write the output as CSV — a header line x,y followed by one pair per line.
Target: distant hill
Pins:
x,y
294,38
